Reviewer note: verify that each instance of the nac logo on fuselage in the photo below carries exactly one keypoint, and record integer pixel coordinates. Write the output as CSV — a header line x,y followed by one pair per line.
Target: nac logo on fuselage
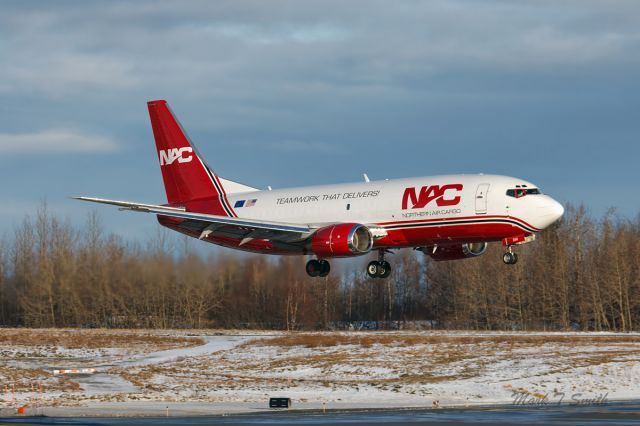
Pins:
x,y
443,195
170,155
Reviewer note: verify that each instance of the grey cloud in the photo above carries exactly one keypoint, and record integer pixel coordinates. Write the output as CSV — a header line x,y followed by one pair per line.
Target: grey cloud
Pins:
x,y
254,48
55,140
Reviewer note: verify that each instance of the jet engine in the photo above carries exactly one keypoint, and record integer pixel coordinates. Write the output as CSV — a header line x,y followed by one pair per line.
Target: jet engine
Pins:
x,y
342,240
454,252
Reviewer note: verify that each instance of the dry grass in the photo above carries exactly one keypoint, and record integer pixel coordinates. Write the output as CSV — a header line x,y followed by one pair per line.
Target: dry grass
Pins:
x,y
93,339
315,340
30,380
11,374
141,378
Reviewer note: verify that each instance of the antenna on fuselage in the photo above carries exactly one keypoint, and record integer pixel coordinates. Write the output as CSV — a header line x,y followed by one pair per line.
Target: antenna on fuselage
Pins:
x,y
366,178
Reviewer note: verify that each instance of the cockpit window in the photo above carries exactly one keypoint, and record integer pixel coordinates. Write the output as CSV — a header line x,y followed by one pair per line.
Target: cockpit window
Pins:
x,y
521,192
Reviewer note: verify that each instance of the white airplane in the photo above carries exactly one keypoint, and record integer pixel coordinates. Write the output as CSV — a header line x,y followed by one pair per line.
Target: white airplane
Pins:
x,y
447,217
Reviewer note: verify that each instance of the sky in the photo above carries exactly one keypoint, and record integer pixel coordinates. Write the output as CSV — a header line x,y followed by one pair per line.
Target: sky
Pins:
x,y
290,93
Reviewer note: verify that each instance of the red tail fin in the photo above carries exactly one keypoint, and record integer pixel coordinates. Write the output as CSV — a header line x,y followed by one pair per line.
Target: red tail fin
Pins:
x,y
187,179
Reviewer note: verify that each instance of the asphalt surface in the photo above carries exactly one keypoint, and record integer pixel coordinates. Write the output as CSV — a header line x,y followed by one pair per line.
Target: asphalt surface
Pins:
x,y
619,413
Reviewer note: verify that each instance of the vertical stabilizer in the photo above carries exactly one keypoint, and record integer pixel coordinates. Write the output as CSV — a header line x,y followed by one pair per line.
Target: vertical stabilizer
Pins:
x,y
187,178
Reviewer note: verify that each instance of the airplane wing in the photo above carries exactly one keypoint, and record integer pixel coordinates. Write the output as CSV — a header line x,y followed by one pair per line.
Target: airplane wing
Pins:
x,y
207,223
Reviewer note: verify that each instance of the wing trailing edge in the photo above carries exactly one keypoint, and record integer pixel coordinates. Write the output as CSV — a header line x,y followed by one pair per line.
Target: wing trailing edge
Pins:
x,y
178,212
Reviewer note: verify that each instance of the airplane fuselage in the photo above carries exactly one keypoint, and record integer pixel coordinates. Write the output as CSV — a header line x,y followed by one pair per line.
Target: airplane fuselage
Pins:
x,y
412,212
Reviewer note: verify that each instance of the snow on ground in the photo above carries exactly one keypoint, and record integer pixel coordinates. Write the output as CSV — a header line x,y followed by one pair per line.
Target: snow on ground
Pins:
x,y
232,372
212,344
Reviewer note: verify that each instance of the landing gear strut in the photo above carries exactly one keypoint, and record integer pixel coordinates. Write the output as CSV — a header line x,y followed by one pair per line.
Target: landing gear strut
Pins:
x,y
318,268
379,268
510,258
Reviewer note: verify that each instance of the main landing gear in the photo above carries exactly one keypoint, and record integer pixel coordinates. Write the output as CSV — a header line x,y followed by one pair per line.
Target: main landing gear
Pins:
x,y
510,258
379,268
375,269
318,268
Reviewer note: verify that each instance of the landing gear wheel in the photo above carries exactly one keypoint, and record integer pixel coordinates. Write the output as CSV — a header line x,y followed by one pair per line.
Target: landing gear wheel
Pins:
x,y
372,269
314,268
324,268
318,268
510,258
386,269
379,268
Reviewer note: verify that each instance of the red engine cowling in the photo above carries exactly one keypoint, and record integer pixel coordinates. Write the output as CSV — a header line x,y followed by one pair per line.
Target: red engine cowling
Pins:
x,y
460,251
342,240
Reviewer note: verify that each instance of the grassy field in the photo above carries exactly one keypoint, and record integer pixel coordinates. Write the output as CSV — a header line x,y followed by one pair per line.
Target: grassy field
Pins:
x,y
411,368
29,356
314,340
146,340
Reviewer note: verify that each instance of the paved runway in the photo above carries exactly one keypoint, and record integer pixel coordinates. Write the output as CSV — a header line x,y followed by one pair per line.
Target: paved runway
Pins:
x,y
627,413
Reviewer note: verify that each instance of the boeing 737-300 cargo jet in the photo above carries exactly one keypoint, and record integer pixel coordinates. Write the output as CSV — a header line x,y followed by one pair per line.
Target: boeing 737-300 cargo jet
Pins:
x,y
446,217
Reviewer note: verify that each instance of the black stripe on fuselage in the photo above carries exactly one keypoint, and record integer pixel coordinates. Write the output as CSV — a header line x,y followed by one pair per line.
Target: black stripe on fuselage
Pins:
x,y
456,222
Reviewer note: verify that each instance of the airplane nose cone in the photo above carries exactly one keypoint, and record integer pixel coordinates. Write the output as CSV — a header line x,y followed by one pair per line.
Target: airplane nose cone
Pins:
x,y
549,212
557,210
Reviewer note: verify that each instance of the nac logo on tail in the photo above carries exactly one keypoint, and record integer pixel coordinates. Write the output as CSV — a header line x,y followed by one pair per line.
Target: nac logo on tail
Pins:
x,y
170,155
430,193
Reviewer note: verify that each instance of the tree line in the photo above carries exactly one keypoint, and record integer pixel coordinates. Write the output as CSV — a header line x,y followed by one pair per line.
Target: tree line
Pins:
x,y
580,274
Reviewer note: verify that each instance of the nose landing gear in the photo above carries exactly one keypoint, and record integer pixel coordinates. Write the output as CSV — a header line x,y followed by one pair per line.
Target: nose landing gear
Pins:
x,y
379,268
510,258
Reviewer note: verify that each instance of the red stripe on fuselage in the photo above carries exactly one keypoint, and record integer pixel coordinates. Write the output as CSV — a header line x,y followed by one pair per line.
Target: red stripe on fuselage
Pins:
x,y
448,219
448,234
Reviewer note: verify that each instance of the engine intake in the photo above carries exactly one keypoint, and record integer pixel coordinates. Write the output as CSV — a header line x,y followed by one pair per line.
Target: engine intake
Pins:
x,y
455,252
342,240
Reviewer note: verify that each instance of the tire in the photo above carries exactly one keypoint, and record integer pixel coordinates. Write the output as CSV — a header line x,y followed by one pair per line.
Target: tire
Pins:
x,y
372,269
313,268
385,269
325,267
508,258
515,259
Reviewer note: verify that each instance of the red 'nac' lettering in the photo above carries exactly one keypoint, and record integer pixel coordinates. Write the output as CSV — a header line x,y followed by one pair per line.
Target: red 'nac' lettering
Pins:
x,y
430,193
